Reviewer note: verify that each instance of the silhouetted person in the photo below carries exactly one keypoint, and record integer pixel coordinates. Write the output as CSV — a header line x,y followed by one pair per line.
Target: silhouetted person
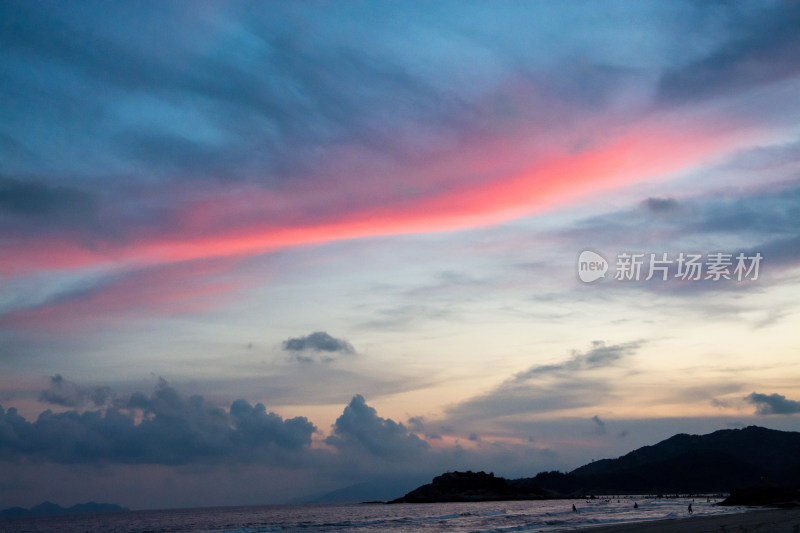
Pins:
x,y
574,509
635,505
690,509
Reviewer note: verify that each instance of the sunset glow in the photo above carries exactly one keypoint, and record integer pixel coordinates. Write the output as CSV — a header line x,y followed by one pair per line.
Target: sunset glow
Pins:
x,y
337,243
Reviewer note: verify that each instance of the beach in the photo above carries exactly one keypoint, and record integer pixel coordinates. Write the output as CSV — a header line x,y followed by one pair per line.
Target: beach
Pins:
x,y
761,520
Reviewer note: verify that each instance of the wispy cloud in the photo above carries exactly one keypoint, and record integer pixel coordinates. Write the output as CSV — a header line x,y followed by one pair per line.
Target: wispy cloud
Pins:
x,y
179,288
173,192
550,387
281,143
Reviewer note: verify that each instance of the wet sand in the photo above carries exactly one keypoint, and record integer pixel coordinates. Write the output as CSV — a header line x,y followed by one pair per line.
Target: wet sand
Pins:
x,y
762,521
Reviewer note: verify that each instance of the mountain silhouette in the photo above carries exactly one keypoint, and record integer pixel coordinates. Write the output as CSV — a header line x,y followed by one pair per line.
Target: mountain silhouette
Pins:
x,y
53,509
712,463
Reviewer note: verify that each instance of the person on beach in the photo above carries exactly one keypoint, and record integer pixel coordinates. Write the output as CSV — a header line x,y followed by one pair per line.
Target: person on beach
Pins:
x,y
690,509
574,509
635,505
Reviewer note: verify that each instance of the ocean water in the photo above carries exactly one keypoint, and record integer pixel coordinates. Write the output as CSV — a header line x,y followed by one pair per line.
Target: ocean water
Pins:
x,y
544,516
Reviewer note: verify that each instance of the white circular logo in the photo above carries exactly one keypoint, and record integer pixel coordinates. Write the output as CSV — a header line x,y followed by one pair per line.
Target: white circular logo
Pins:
x,y
591,266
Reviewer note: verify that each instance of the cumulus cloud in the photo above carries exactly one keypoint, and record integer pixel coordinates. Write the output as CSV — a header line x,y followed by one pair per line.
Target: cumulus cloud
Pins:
x,y
317,342
161,428
69,394
416,424
359,429
773,404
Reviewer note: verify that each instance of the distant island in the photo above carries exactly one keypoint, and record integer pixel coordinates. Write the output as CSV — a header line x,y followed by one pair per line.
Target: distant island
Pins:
x,y
52,509
765,461
476,487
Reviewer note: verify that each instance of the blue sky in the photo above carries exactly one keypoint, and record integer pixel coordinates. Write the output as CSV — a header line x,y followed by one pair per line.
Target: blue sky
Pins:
x,y
336,243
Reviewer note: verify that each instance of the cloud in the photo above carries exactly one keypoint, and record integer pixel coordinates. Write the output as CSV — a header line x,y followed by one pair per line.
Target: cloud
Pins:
x,y
773,404
756,213
756,219
36,200
758,48
360,429
598,356
159,290
662,205
240,129
600,426
256,426
161,428
68,394
551,387
721,403
314,347
301,127
416,424
319,341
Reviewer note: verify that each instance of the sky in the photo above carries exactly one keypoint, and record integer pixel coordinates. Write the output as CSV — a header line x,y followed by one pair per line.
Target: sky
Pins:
x,y
254,252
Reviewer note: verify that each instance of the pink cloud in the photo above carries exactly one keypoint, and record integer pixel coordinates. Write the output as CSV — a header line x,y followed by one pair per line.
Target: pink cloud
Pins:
x,y
170,289
482,180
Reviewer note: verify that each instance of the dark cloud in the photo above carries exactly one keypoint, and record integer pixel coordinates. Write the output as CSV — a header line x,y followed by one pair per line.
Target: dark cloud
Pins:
x,y
269,114
173,430
780,252
773,404
319,341
38,199
550,387
769,214
29,205
662,205
68,394
256,426
760,47
750,222
598,356
599,425
359,429
718,402
416,424
755,216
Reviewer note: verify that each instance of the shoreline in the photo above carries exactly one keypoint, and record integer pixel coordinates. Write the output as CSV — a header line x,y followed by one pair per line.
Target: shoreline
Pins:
x,y
762,520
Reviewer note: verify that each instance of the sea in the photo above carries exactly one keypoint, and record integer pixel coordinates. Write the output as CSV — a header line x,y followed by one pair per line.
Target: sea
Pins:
x,y
544,516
